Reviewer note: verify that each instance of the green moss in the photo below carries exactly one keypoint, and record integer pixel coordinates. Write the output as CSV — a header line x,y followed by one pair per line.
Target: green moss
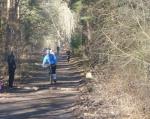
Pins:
x,y
76,41
86,18
77,6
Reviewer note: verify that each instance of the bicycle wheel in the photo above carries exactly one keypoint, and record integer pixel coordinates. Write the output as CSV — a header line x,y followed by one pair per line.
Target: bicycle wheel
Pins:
x,y
50,75
50,78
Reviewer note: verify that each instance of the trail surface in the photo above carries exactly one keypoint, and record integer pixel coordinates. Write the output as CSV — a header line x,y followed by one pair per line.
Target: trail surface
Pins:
x,y
35,98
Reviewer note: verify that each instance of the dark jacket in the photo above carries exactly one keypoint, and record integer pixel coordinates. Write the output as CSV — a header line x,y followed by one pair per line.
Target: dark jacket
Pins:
x,y
11,63
68,52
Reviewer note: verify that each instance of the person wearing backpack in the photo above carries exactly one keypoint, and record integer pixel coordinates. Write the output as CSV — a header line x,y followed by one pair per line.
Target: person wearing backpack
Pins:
x,y
51,60
11,68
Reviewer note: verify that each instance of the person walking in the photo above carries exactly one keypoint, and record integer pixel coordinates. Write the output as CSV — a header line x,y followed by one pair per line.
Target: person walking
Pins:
x,y
50,59
11,68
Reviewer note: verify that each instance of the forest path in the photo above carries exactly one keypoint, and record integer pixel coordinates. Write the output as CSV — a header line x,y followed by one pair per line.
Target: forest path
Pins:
x,y
35,98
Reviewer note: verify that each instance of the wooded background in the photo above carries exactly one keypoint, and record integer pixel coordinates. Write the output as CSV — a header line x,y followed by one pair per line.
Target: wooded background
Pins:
x,y
112,35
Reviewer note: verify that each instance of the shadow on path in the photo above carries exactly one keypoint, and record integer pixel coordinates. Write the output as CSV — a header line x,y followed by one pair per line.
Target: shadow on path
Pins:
x,y
35,98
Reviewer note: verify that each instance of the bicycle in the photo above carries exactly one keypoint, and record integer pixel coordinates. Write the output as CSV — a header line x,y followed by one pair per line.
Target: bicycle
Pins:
x,y
51,77
50,74
68,53
68,58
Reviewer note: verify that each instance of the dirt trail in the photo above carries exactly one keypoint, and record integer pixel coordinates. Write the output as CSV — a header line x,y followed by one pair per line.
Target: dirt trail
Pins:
x,y
36,99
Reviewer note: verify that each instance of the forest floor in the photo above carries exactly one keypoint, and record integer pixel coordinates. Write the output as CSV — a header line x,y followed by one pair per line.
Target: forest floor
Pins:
x,y
34,98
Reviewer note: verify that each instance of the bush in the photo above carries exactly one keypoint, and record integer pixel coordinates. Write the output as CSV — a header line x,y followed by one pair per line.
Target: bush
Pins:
x,y
76,42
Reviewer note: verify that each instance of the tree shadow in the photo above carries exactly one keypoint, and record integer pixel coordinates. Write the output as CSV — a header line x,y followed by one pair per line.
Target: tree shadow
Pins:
x,y
38,110
51,106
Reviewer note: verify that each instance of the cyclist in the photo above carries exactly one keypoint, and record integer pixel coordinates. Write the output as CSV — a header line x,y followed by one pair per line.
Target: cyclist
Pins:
x,y
58,49
68,55
51,60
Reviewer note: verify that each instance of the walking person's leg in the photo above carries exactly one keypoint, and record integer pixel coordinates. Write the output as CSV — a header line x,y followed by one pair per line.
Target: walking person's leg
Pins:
x,y
1,85
11,79
13,75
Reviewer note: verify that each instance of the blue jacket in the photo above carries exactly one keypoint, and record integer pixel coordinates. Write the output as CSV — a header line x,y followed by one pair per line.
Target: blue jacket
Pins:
x,y
50,59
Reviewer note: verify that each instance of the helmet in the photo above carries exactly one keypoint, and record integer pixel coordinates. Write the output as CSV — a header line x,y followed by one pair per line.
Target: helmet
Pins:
x,y
47,51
